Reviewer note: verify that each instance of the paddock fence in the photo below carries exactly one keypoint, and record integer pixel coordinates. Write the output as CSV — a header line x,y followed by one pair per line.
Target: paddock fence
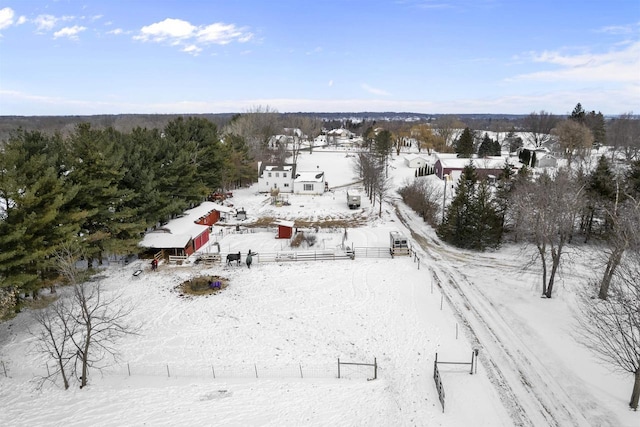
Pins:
x,y
341,370
372,252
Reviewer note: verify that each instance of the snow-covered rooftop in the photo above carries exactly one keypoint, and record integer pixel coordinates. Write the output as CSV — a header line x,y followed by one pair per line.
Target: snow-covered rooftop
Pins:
x,y
311,176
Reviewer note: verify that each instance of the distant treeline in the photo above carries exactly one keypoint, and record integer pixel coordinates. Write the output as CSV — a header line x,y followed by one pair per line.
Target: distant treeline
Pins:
x,y
127,122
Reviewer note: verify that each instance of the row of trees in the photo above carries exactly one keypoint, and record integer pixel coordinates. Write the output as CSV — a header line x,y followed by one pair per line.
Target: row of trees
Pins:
x,y
548,213
103,189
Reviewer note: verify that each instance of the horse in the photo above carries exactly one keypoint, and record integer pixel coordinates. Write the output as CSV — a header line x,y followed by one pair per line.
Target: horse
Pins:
x,y
249,258
233,257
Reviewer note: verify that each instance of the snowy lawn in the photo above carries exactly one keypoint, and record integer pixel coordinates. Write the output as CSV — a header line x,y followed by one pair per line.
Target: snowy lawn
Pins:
x,y
288,323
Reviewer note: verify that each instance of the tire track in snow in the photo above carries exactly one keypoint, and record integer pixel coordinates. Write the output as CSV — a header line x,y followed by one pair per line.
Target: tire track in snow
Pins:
x,y
531,393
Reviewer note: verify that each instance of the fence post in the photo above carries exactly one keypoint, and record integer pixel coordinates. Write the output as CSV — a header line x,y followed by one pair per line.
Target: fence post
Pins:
x,y
300,364
375,368
4,368
214,372
128,369
168,374
47,365
338,367
256,369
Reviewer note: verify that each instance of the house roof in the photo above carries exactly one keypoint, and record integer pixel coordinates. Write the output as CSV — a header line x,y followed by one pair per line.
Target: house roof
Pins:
x,y
414,156
177,232
284,223
312,176
484,163
287,167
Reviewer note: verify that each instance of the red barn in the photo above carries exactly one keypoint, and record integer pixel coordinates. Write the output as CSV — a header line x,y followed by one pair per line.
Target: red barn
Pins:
x,y
285,229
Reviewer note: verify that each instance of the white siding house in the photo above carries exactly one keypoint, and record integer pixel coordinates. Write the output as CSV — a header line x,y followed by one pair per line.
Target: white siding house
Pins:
x,y
276,176
309,183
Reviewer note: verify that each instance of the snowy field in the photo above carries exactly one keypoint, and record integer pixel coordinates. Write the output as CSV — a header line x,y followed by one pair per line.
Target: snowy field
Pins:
x,y
264,351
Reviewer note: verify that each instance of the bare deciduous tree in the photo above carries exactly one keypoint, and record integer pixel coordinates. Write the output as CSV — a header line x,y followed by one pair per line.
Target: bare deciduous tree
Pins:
x,y
547,212
623,235
623,134
53,339
79,331
575,139
447,126
538,126
611,328
424,197
311,128
100,321
256,126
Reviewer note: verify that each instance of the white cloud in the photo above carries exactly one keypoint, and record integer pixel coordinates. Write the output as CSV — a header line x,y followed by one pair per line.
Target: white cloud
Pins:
x,y
116,31
169,29
45,22
614,66
192,49
220,33
70,32
619,29
6,17
374,90
330,83
21,20
177,32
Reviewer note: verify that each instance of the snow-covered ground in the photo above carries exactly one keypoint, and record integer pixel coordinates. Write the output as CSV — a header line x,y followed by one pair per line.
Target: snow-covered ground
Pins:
x,y
264,351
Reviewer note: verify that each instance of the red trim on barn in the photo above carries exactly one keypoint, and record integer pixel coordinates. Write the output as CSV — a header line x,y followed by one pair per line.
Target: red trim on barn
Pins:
x,y
209,219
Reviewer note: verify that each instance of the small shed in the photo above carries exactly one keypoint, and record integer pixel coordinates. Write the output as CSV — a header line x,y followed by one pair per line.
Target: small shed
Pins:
x,y
285,229
415,160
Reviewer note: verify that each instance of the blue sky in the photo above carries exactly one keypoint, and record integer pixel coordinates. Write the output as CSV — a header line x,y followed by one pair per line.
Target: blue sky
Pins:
x,y
70,57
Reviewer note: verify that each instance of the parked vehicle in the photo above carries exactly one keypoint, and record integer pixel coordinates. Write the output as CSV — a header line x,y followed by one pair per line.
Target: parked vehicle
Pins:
x,y
398,244
353,199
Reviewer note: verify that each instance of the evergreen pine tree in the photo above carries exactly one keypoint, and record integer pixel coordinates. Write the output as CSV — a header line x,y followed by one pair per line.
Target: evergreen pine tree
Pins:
x,y
486,147
96,160
487,232
465,144
457,228
37,220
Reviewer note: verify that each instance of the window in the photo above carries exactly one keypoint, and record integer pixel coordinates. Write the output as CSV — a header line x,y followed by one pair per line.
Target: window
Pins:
x,y
284,174
269,174
286,185
308,187
277,175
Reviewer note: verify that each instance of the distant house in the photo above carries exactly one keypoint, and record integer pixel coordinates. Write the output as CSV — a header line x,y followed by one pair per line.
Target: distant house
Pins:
x,y
542,155
545,160
340,137
276,176
309,183
415,160
453,166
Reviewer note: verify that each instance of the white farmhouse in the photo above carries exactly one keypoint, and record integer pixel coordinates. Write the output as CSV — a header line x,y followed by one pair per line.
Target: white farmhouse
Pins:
x,y
276,176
